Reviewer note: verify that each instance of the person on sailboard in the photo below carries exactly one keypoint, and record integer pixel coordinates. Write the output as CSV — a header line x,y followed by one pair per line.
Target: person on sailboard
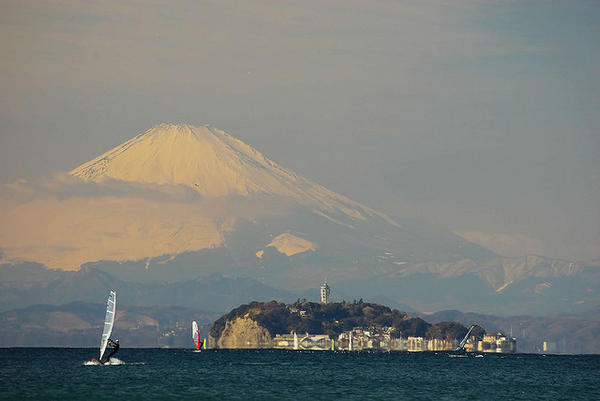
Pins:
x,y
115,347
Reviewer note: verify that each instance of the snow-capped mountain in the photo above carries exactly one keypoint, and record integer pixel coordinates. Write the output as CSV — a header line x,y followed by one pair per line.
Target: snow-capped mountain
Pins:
x,y
178,201
212,163
170,190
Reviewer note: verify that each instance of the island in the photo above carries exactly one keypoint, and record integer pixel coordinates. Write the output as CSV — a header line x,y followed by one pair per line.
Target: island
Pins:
x,y
352,326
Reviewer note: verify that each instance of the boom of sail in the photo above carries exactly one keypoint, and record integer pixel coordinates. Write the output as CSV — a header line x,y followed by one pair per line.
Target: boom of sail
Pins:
x,y
109,320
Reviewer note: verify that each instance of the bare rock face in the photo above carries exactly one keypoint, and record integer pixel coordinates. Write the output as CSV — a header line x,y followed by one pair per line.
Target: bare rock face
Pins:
x,y
243,332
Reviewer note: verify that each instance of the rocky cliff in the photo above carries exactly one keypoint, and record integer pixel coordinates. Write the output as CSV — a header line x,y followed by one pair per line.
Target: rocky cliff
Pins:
x,y
243,332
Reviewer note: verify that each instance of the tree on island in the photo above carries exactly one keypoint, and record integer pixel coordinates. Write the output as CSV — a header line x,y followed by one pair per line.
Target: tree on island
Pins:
x,y
335,318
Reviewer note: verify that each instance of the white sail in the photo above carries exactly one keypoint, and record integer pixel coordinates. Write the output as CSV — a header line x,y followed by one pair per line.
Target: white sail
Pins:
x,y
464,340
111,307
195,334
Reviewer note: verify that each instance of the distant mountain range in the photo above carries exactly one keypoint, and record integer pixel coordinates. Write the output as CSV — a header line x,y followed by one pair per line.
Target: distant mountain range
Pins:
x,y
79,324
31,284
190,216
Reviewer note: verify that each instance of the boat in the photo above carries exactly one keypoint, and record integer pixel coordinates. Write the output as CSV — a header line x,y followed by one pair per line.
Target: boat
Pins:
x,y
195,335
109,320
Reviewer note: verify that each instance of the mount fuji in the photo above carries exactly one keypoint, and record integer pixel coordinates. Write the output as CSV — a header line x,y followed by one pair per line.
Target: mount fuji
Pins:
x,y
177,189
178,202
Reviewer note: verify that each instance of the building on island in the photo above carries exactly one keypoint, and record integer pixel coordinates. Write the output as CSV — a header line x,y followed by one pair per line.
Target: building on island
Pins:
x,y
441,344
359,338
497,343
380,338
312,342
325,290
416,344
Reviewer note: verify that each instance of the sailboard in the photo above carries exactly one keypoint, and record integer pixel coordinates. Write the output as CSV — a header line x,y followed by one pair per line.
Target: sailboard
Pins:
x,y
464,340
109,320
195,335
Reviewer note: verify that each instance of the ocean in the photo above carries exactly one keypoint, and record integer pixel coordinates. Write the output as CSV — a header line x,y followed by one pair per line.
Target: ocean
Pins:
x,y
157,374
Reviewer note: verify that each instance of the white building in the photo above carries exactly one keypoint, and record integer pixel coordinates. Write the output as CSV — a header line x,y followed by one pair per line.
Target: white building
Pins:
x,y
497,343
416,344
325,290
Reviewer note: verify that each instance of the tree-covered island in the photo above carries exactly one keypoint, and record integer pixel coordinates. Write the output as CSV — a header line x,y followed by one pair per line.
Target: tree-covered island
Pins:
x,y
259,324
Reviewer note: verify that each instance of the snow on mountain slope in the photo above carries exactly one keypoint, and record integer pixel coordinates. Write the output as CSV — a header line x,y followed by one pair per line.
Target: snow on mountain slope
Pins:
x,y
214,164
290,244
203,158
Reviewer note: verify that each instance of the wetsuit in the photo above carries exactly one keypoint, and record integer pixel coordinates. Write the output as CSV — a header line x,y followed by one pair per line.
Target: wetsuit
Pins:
x,y
115,347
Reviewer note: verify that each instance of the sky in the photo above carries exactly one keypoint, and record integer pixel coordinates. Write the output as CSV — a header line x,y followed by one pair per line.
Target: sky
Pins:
x,y
482,117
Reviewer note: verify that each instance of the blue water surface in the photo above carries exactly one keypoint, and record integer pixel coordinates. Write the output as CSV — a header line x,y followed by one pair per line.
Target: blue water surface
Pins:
x,y
156,374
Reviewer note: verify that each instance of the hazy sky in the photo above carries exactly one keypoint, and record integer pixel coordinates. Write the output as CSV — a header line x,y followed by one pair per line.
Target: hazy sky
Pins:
x,y
474,115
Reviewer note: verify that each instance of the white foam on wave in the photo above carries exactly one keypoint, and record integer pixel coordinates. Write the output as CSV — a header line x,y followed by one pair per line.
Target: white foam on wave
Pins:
x,y
113,361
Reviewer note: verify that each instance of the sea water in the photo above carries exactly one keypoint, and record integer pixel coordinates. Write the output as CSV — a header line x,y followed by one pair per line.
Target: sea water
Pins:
x,y
153,374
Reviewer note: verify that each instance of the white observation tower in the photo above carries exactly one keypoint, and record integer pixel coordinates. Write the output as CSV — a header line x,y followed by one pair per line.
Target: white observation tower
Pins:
x,y
325,290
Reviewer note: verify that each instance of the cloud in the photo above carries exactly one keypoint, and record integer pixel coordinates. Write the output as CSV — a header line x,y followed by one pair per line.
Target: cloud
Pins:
x,y
62,185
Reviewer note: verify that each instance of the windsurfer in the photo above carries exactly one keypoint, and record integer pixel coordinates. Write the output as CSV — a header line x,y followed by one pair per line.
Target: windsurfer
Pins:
x,y
460,350
114,348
